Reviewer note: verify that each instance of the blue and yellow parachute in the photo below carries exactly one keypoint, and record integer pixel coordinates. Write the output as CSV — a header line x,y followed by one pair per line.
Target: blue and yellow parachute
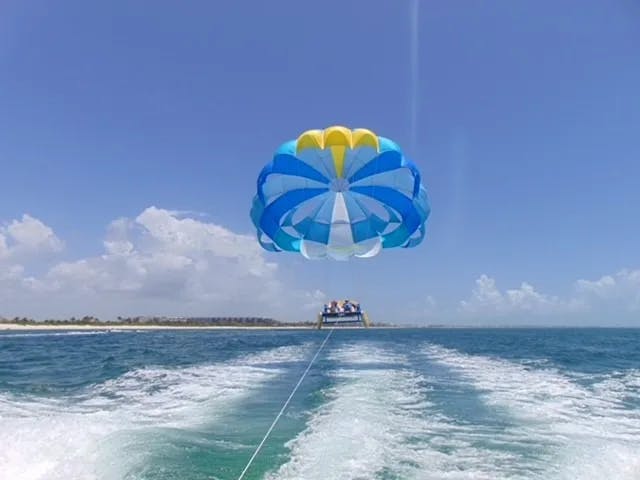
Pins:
x,y
339,193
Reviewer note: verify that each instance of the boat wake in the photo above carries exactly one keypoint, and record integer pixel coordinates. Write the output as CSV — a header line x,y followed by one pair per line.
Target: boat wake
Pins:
x,y
110,430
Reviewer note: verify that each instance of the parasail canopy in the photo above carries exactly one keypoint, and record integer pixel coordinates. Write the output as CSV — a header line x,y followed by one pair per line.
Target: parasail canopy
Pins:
x,y
339,193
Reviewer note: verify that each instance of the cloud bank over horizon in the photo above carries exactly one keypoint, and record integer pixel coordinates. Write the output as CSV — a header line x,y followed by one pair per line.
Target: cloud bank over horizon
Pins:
x,y
611,299
160,263
166,262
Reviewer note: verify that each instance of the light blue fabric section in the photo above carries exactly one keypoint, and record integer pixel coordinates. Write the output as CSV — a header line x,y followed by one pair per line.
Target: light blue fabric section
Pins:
x,y
257,207
290,165
378,224
320,160
401,204
382,163
287,220
416,240
387,144
355,159
256,216
361,225
401,179
355,211
287,148
277,184
270,246
421,204
309,208
325,213
304,225
393,216
271,215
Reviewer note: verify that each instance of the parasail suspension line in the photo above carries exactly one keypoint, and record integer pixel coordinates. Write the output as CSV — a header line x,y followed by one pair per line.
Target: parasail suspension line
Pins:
x,y
255,454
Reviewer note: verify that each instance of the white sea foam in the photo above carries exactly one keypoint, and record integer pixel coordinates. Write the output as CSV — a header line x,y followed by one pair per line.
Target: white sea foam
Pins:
x,y
377,422
58,334
104,433
623,386
581,432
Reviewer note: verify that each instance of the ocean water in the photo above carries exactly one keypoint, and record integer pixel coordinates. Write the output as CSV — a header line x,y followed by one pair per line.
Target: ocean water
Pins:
x,y
377,404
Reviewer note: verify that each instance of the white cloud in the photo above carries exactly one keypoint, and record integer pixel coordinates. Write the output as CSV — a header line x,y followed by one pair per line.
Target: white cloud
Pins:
x,y
487,298
161,255
159,263
4,248
315,300
620,291
601,288
611,294
11,276
22,242
27,236
165,262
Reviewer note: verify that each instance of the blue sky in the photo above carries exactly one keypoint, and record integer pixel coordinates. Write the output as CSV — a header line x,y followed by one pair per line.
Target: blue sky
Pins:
x,y
524,118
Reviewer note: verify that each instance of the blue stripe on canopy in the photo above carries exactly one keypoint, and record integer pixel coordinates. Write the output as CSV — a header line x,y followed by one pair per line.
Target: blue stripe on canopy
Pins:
x,y
357,158
256,214
269,222
303,226
289,165
269,246
257,207
378,224
318,232
385,161
416,175
363,230
412,242
309,208
355,211
321,160
401,204
308,228
397,238
286,242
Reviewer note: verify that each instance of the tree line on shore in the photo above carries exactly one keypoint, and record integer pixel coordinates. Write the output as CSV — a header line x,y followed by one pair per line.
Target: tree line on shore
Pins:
x,y
160,321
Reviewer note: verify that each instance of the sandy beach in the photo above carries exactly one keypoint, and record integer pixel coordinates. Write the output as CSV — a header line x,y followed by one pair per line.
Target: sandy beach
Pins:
x,y
14,326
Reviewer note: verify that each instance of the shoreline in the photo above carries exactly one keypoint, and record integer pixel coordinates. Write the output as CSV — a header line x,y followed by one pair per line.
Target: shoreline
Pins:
x,y
18,327
145,327
5,327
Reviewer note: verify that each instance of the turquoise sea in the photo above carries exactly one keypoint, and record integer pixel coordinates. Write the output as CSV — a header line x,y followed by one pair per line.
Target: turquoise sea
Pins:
x,y
377,404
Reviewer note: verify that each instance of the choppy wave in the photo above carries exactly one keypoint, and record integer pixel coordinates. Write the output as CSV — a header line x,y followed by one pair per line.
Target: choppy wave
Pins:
x,y
106,432
578,432
59,334
378,422
371,408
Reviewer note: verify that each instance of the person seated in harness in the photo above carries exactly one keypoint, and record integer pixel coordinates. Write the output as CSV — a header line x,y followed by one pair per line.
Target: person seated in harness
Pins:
x,y
334,306
348,306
